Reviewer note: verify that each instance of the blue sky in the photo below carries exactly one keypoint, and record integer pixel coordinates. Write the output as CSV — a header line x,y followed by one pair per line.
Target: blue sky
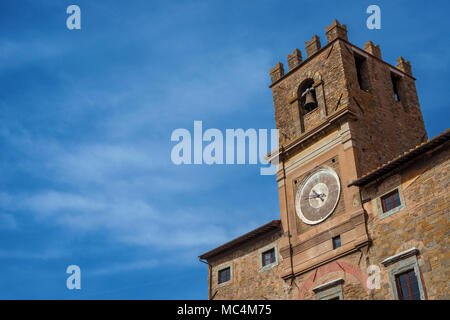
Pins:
x,y
86,118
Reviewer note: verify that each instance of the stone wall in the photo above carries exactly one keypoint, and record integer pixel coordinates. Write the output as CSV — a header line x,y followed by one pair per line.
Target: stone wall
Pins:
x,y
378,129
423,223
383,127
351,269
324,68
248,281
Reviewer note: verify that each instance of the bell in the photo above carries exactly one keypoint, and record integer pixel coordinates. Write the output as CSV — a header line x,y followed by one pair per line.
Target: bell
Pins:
x,y
310,102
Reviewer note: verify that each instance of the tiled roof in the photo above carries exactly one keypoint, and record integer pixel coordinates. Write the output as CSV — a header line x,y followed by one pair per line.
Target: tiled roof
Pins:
x,y
402,158
274,224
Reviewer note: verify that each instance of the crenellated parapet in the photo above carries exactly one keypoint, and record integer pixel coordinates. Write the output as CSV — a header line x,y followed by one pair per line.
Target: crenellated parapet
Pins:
x,y
294,59
336,30
404,65
312,46
333,32
277,72
373,49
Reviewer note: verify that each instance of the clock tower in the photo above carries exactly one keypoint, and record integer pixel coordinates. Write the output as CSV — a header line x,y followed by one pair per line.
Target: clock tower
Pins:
x,y
363,192
341,113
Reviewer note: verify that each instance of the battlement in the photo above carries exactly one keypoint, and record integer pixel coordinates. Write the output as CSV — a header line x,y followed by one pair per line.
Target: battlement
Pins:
x,y
403,65
294,59
312,47
373,49
336,30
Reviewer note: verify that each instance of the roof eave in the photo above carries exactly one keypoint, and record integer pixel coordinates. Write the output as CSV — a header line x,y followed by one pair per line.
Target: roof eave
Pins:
x,y
268,227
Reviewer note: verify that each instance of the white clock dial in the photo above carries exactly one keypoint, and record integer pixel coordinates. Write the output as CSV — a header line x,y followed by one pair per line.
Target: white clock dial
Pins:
x,y
317,196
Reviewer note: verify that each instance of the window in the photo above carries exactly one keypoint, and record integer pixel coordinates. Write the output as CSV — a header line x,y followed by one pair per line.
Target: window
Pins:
x,y
224,275
405,276
362,72
307,96
407,286
395,82
336,242
268,257
390,201
330,291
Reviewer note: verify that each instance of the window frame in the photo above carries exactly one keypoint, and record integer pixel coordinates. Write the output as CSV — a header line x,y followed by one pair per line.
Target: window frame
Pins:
x,y
335,246
379,203
390,195
227,272
330,290
221,268
400,263
265,249
272,257
408,284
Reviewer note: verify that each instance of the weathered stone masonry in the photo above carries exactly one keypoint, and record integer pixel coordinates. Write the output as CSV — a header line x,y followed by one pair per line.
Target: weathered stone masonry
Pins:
x,y
345,109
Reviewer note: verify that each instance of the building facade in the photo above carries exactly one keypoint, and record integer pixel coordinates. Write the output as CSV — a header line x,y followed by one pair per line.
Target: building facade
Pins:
x,y
364,194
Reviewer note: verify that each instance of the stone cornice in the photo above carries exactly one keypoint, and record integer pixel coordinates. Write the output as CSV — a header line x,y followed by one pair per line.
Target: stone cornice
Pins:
x,y
328,285
400,256
330,120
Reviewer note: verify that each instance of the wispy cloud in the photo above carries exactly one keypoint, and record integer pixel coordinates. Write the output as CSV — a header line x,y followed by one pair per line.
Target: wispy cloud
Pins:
x,y
47,254
125,267
86,118
133,222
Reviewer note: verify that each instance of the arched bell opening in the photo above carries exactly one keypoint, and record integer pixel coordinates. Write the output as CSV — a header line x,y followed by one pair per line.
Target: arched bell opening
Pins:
x,y
307,96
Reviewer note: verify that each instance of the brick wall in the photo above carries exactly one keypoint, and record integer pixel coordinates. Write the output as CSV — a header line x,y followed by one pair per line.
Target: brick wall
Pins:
x,y
326,67
383,127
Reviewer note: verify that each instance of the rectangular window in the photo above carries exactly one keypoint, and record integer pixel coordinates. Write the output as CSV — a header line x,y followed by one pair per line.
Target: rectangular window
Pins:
x,y
336,242
390,201
407,286
224,275
362,72
395,81
268,257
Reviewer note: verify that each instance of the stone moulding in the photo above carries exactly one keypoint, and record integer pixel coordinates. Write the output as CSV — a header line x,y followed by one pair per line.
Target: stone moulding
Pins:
x,y
400,256
349,248
328,285
329,121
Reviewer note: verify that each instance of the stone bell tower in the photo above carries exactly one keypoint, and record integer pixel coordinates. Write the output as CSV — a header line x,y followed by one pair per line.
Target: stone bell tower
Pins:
x,y
341,112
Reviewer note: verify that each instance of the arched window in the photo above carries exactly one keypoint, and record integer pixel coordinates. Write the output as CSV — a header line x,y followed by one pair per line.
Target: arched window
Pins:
x,y
307,96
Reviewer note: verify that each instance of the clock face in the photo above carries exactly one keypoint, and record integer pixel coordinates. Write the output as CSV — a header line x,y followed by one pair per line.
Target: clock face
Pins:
x,y
318,196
